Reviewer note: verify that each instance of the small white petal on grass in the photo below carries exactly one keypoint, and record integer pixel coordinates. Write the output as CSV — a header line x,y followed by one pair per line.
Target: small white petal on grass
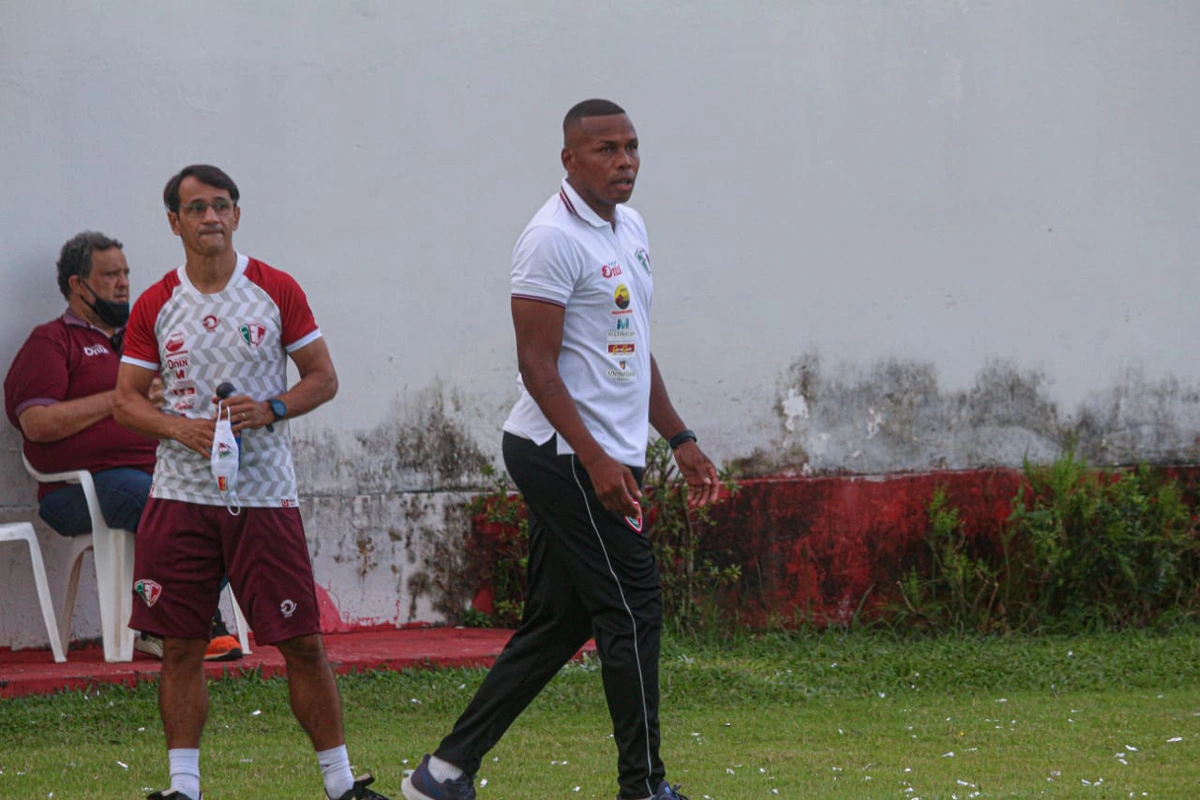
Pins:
x,y
576,789
559,763
1002,700
482,782
1175,739
948,755
414,701
1131,748
122,765
256,712
729,771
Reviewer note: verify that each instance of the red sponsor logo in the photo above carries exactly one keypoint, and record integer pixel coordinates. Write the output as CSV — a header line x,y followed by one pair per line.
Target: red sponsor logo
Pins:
x,y
223,483
625,349
211,323
610,270
174,342
288,503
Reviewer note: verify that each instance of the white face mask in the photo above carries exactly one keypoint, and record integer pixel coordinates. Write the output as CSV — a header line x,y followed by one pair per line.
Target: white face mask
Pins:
x,y
225,458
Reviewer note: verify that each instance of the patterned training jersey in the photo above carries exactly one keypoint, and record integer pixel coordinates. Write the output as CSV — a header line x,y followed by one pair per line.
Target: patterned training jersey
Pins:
x,y
241,334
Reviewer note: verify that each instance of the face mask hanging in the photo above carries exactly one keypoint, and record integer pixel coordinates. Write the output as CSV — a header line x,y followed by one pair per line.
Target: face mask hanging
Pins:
x,y
225,459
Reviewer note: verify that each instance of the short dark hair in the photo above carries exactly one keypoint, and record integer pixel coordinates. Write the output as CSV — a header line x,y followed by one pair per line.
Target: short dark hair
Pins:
x,y
206,174
76,257
589,108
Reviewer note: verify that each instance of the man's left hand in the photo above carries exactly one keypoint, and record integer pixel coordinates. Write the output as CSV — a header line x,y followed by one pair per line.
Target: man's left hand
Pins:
x,y
698,471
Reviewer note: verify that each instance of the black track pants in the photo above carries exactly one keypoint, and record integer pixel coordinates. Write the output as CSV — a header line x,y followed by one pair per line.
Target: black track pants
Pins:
x,y
589,575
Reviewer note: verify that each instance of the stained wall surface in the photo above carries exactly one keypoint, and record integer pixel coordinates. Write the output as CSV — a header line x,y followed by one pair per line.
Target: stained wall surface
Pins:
x,y
886,236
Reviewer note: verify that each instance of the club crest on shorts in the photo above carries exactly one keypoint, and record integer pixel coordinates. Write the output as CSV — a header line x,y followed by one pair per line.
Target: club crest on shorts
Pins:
x,y
635,522
149,591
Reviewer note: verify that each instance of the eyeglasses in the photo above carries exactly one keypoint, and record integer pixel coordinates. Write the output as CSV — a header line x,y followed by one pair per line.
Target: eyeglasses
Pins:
x,y
198,208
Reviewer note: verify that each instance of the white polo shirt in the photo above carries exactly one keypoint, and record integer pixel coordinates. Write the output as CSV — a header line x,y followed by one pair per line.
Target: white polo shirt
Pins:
x,y
600,274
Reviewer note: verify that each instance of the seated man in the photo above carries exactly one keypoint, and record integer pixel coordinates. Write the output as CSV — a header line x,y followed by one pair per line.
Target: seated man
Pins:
x,y
59,393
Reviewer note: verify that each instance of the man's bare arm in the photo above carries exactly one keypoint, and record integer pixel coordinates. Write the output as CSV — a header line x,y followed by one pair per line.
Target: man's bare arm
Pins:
x,y
57,421
134,410
696,468
318,385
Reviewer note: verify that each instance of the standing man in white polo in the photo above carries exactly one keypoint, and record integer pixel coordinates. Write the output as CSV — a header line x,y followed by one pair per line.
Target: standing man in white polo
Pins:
x,y
575,444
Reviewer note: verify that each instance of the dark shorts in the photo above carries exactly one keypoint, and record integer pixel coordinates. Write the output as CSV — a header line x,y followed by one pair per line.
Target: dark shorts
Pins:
x,y
183,549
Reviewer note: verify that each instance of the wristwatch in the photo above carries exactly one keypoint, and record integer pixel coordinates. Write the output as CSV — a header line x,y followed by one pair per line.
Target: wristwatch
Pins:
x,y
278,408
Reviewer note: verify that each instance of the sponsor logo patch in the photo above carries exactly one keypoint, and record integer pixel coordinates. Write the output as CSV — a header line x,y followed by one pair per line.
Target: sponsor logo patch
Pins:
x,y
621,296
287,608
95,350
148,590
623,349
211,323
610,270
174,342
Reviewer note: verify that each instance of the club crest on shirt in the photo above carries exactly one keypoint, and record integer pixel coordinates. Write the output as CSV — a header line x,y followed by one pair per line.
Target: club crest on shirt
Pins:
x,y
148,590
643,258
253,333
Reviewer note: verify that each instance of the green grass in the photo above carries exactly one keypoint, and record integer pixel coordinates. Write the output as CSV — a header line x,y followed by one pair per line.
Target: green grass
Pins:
x,y
807,716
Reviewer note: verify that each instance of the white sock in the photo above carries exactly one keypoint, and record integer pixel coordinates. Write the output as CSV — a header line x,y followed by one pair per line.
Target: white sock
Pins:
x,y
335,768
185,771
443,771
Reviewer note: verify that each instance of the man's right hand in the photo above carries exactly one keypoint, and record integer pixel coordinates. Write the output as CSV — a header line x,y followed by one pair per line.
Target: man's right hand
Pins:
x,y
195,434
614,484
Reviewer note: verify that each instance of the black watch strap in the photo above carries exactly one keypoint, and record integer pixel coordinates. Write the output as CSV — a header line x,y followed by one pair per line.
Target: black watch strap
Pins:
x,y
683,437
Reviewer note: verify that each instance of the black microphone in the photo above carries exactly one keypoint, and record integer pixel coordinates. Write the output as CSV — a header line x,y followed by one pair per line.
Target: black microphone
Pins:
x,y
226,389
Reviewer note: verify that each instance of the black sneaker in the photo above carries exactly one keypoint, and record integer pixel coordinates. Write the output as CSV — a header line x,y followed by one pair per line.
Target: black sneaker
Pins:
x,y
360,791
218,626
420,785
165,795
668,792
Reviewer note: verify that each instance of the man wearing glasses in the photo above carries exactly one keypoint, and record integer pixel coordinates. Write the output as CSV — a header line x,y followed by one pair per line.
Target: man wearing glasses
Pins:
x,y
59,393
224,318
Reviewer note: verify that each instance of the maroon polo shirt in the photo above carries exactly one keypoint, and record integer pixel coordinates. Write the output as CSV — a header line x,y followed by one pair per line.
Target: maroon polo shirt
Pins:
x,y
63,360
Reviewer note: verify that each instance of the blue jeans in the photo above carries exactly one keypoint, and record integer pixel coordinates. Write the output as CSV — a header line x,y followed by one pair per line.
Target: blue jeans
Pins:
x,y
122,492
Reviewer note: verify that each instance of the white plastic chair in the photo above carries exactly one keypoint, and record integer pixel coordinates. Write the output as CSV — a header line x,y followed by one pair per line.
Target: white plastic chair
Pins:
x,y
23,532
114,574
112,551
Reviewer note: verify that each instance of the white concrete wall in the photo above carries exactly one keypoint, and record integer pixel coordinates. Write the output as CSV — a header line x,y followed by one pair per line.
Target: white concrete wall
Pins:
x,y
886,235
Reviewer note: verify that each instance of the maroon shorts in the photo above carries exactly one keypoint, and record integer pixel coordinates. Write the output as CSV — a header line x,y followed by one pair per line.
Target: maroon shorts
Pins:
x,y
183,549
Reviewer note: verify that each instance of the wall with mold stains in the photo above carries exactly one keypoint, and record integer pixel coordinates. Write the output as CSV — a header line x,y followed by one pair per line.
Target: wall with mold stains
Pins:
x,y
887,236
